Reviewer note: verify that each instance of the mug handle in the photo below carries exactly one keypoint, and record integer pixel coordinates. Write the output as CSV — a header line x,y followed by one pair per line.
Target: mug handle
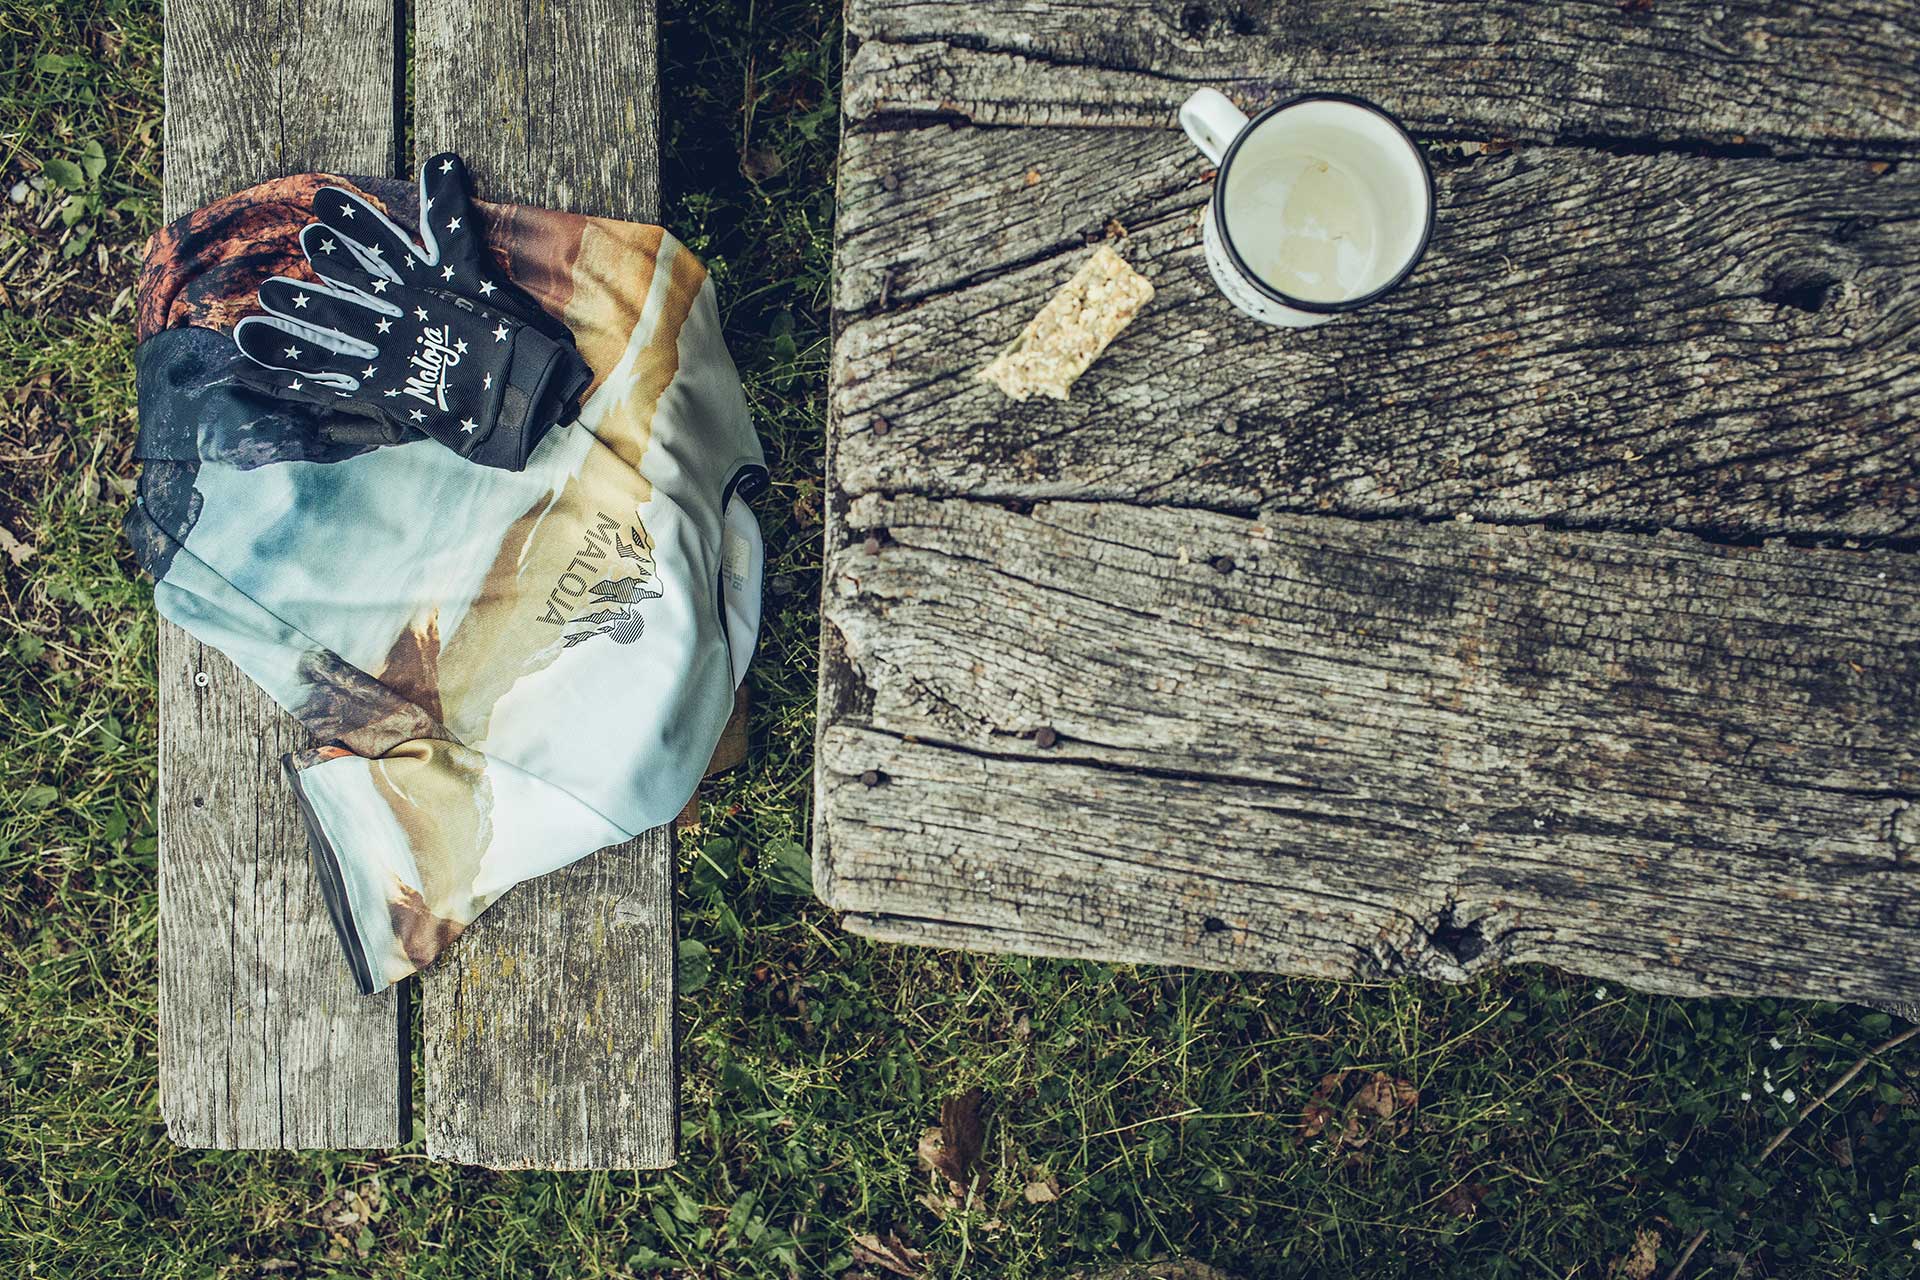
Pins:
x,y
1212,121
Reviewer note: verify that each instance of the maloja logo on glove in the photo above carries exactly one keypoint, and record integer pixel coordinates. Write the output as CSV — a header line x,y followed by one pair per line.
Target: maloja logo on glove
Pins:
x,y
387,321
439,352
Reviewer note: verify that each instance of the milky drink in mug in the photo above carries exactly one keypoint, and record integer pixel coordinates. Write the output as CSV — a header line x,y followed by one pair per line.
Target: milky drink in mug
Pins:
x,y
1322,204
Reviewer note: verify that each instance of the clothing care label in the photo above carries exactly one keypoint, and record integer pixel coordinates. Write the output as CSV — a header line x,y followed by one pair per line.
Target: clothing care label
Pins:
x,y
736,564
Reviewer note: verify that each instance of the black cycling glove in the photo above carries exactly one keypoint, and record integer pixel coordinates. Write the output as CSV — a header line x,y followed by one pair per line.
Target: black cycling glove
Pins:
x,y
427,340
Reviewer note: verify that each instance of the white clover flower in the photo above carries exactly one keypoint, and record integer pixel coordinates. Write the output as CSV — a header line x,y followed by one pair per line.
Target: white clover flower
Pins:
x,y
1767,1085
1774,1042
1746,1095
1788,1096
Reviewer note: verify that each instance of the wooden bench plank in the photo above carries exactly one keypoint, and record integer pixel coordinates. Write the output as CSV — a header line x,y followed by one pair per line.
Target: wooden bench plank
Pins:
x,y
1588,340
1794,77
263,1040
1358,749
549,1024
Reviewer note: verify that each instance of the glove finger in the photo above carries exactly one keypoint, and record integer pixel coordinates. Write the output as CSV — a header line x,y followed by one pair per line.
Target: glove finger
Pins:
x,y
456,236
377,243
449,226
336,259
339,266
350,321
299,354
457,246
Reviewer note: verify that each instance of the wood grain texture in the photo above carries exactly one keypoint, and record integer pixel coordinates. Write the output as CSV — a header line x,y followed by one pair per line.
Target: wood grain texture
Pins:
x,y
555,104
263,1040
1791,76
549,1024
1361,749
256,89
1364,745
1591,339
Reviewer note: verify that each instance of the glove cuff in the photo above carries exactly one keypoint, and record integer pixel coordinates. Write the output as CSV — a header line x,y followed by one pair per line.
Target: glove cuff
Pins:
x,y
544,382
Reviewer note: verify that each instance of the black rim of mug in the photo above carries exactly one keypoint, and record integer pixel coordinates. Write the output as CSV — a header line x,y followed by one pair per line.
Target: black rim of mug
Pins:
x,y
1219,202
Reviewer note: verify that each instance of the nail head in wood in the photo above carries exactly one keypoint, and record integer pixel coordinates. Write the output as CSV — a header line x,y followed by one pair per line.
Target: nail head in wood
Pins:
x,y
1045,737
880,425
890,181
1223,564
872,544
870,778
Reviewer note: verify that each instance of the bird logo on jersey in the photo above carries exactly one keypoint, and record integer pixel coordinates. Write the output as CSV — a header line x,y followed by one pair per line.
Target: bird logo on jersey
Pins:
x,y
619,615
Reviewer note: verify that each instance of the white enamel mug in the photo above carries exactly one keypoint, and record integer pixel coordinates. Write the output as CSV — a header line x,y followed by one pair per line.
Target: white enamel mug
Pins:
x,y
1323,204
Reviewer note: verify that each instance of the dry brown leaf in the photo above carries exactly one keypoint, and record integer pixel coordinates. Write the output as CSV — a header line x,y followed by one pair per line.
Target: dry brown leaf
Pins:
x,y
940,1203
1042,1191
1382,1106
932,1149
1638,1263
1388,1098
953,1149
16,550
1320,1107
1463,1200
889,1253
762,163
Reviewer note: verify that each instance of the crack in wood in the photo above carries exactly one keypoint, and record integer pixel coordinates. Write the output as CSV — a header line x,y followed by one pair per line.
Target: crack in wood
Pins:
x,y
1740,76
1630,736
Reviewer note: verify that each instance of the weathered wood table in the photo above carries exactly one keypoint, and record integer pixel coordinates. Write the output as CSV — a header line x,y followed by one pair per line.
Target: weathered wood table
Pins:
x,y
549,1025
1563,608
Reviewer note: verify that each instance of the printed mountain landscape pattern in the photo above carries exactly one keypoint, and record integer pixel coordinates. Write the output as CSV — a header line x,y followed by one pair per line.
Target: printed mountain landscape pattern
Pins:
x,y
502,671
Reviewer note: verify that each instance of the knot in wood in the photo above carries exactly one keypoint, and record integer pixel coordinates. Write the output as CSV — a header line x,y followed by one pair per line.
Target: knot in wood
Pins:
x,y
1464,942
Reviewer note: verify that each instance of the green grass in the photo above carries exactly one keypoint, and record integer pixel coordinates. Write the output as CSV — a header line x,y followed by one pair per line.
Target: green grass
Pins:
x,y
1556,1118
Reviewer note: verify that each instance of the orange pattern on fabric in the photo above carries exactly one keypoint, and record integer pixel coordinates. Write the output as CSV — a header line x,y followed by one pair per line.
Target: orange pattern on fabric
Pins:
x,y
441,797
